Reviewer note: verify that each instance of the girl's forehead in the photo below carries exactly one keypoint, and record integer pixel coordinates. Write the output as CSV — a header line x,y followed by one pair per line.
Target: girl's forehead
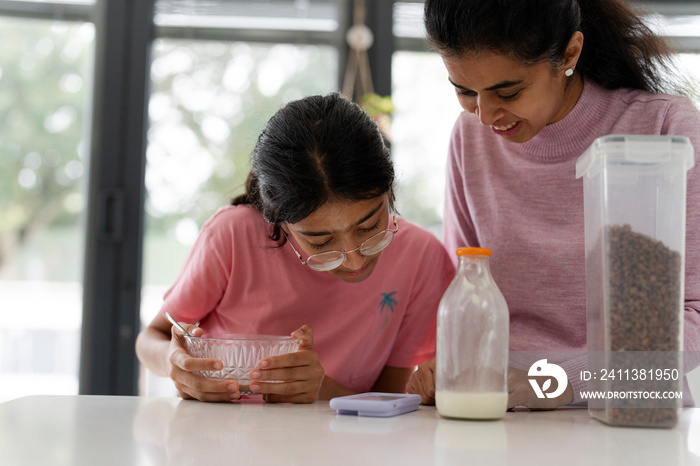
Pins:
x,y
338,216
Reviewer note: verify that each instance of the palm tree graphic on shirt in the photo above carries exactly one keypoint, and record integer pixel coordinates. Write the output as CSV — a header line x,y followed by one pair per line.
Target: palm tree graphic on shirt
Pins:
x,y
387,302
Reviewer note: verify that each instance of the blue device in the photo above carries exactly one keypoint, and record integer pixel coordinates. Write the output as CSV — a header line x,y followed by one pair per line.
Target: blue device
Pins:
x,y
376,404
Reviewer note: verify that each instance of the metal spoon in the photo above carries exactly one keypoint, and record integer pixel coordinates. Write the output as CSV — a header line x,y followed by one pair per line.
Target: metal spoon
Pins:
x,y
174,322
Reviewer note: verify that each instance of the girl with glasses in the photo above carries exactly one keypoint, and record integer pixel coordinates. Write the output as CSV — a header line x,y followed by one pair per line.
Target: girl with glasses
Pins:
x,y
539,81
367,283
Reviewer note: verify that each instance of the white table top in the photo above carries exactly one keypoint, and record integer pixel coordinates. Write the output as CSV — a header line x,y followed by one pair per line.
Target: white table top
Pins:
x,y
133,431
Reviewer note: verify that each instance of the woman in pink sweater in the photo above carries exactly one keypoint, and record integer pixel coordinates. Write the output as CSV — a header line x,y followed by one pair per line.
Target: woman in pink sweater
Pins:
x,y
539,81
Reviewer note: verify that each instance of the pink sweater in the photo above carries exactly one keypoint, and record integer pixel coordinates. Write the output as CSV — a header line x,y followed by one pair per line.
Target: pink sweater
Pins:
x,y
523,202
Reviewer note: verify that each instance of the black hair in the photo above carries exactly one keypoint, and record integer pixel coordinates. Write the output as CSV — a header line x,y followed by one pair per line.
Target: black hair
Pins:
x,y
619,50
314,150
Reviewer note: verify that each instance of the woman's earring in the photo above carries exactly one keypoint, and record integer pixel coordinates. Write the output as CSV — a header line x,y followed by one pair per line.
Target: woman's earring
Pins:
x,y
569,72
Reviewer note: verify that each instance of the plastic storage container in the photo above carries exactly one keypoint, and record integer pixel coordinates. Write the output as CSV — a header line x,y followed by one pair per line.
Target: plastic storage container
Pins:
x,y
472,342
634,210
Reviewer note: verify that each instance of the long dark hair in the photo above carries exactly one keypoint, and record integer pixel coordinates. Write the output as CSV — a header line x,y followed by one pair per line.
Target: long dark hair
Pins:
x,y
619,50
314,150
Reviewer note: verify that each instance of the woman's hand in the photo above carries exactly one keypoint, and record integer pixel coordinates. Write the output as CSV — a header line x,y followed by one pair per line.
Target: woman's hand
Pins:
x,y
520,393
301,372
423,382
190,385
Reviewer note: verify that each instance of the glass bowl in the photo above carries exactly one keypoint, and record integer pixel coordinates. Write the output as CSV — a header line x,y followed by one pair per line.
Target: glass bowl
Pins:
x,y
239,353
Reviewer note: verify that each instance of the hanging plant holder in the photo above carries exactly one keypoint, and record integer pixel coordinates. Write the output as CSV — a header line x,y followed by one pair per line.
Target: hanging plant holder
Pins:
x,y
357,84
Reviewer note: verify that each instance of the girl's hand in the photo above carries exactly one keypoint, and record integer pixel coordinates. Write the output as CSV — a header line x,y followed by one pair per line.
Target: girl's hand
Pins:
x,y
190,385
423,382
520,393
301,372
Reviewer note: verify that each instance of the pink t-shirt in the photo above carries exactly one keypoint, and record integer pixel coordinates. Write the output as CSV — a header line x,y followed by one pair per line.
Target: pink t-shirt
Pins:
x,y
524,202
235,280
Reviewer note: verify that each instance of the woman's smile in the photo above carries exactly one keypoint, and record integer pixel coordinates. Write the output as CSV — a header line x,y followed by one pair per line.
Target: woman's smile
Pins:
x,y
508,130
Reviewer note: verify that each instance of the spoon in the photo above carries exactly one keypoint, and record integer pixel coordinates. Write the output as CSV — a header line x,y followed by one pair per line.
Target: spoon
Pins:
x,y
176,324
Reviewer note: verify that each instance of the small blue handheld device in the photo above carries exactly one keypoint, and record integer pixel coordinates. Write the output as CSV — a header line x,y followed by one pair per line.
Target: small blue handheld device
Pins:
x,y
376,404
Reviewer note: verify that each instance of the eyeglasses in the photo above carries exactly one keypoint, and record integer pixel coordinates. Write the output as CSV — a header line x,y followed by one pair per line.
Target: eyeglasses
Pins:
x,y
329,260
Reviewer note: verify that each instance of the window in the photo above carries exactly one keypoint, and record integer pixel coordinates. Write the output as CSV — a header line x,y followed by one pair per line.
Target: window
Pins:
x,y
45,70
425,111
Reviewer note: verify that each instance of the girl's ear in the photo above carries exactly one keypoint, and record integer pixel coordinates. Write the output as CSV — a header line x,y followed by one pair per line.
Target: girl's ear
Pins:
x,y
573,50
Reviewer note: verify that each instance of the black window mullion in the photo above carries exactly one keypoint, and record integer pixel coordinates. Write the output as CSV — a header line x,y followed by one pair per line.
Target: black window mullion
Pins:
x,y
380,20
115,213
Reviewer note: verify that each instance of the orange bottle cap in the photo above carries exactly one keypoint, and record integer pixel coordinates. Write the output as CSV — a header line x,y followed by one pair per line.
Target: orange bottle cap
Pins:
x,y
473,252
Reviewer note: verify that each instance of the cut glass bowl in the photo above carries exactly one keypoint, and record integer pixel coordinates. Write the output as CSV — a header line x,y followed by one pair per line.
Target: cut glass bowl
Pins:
x,y
240,354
